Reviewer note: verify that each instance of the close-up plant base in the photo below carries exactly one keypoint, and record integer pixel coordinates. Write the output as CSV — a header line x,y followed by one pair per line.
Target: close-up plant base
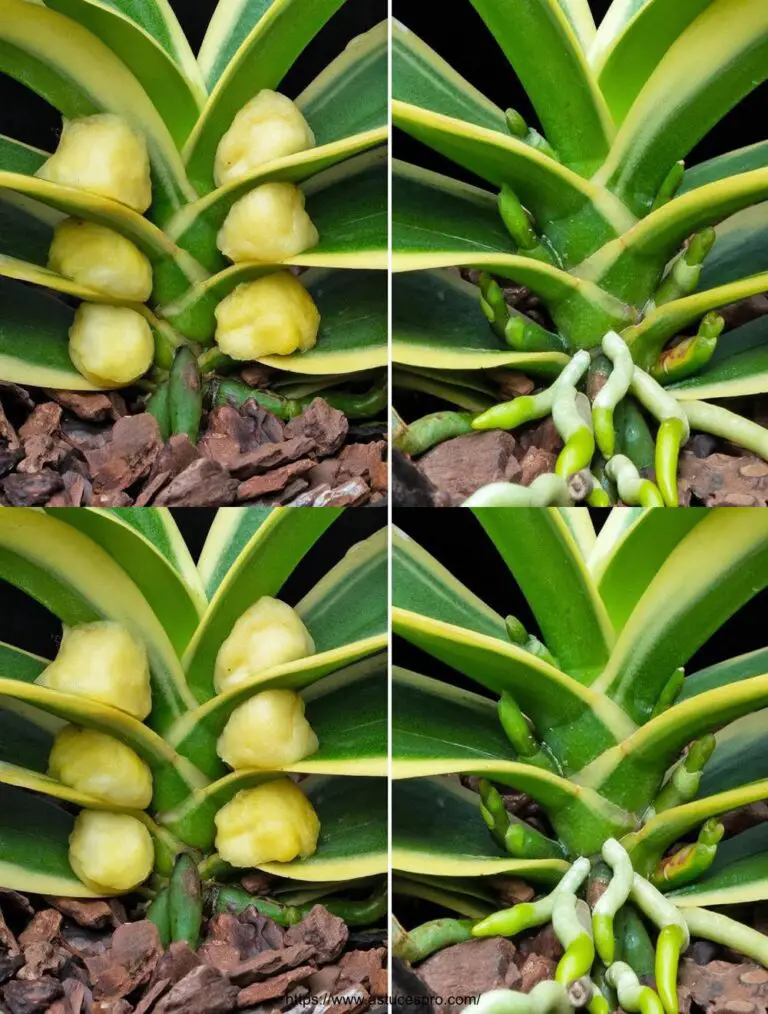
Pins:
x,y
592,263
203,746
586,825
192,236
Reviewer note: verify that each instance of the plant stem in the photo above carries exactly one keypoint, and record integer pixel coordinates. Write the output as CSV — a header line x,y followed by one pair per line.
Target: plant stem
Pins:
x,y
722,423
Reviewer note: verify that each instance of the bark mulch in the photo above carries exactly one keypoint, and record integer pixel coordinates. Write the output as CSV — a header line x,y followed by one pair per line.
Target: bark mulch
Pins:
x,y
712,472
63,449
82,957
711,980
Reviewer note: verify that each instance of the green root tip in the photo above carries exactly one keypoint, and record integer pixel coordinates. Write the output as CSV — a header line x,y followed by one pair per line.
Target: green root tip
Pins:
x,y
605,938
576,962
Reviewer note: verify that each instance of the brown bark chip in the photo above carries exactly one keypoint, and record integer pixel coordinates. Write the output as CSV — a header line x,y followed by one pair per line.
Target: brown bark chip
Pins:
x,y
362,967
325,426
721,987
471,968
536,462
461,466
249,934
536,969
350,494
270,456
44,927
203,991
91,914
128,963
270,963
272,482
325,932
30,997
201,484
273,988
88,407
31,490
129,454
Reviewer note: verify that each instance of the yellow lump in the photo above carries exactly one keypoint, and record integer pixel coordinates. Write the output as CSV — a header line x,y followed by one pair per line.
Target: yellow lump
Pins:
x,y
100,766
100,259
269,633
103,155
273,823
273,316
268,127
269,730
110,852
110,345
103,662
268,224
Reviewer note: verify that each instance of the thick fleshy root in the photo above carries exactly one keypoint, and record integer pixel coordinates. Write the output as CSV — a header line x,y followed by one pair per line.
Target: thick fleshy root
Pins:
x,y
606,427
599,954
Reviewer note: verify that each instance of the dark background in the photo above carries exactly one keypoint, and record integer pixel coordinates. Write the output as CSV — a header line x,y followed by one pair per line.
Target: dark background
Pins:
x,y
26,117
455,30
28,625
456,539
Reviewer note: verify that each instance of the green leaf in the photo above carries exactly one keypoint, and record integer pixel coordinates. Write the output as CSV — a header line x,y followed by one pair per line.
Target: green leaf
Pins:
x,y
196,227
174,269
348,712
718,567
353,830
230,532
157,525
722,674
455,841
177,98
353,325
422,78
80,77
17,157
741,747
636,556
20,665
716,62
545,561
250,45
434,214
648,338
175,605
34,844
582,311
625,62
741,249
437,323
410,379
261,567
158,19
583,531
581,20
24,235
743,160
575,215
174,777
34,331
432,890
630,774
539,42
349,603
421,584
649,844
738,876
738,368
77,580
351,95
195,735
432,721
573,721
23,741
631,266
